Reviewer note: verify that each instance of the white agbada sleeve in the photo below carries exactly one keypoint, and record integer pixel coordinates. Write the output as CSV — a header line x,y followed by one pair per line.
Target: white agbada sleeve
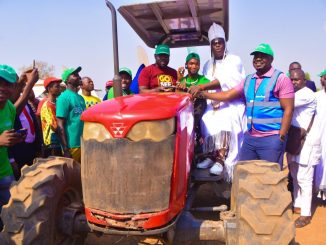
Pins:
x,y
230,71
320,171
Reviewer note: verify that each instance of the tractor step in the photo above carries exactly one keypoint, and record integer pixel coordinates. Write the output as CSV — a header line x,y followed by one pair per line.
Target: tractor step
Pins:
x,y
210,209
191,230
203,175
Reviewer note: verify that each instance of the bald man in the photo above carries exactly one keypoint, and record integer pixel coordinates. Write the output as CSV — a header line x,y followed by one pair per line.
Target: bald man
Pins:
x,y
297,66
302,166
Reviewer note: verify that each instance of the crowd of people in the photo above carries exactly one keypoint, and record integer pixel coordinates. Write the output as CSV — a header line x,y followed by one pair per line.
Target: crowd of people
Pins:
x,y
237,117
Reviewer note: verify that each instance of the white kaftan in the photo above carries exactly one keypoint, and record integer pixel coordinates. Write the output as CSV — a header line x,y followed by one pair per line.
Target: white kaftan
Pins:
x,y
302,165
304,107
230,115
320,172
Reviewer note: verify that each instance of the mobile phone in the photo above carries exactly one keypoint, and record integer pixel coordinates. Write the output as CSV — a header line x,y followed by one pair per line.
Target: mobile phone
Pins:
x,y
22,131
33,64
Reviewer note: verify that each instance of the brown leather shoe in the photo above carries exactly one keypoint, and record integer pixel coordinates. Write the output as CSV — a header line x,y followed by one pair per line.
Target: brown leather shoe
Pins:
x,y
302,221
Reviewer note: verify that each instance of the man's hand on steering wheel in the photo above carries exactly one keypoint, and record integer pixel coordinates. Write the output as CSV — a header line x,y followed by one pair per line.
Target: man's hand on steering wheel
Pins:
x,y
182,87
166,88
194,90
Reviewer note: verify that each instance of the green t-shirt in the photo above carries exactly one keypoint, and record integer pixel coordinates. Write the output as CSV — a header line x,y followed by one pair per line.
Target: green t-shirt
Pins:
x,y
7,115
197,81
70,106
111,94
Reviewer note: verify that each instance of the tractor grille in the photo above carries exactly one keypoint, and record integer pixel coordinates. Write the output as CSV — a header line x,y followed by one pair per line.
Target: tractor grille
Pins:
x,y
122,176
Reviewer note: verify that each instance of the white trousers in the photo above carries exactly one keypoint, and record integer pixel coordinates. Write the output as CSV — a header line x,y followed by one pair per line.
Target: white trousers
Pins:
x,y
302,176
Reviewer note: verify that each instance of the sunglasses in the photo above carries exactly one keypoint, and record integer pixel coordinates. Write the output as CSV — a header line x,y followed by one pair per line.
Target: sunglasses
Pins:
x,y
218,41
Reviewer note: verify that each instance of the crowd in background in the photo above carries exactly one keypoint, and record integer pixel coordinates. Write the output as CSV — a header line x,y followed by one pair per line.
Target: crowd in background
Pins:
x,y
237,117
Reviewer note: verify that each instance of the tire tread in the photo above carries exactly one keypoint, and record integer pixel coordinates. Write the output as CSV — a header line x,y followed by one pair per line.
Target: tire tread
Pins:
x,y
262,204
28,216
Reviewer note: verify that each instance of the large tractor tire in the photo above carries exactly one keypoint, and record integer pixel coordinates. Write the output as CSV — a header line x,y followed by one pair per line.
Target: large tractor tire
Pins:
x,y
32,215
261,204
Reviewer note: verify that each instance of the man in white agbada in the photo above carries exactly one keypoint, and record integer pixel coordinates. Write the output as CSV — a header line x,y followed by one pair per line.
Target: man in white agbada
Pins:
x,y
223,124
320,173
302,165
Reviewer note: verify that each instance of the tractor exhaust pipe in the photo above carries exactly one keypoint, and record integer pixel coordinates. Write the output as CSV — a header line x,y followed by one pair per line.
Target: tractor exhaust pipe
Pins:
x,y
117,89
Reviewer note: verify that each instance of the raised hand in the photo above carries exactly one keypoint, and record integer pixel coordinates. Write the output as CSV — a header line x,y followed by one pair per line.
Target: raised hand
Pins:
x,y
181,71
33,77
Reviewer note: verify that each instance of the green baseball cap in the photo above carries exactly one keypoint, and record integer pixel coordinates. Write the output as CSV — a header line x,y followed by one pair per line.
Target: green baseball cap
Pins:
x,y
192,56
323,73
8,73
67,72
162,49
264,48
126,70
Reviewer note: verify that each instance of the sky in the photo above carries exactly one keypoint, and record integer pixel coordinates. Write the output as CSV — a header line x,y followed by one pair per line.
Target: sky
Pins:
x,y
78,33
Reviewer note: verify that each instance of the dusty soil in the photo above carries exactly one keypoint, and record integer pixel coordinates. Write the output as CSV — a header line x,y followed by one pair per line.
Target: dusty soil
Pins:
x,y
314,233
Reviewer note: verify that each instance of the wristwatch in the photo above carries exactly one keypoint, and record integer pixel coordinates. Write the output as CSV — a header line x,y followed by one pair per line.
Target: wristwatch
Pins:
x,y
282,137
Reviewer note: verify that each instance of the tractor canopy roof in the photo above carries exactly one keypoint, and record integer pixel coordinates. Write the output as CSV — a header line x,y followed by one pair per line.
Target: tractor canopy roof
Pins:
x,y
177,23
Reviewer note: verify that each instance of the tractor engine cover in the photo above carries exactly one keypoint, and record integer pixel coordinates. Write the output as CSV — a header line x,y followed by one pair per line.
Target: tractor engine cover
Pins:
x,y
127,177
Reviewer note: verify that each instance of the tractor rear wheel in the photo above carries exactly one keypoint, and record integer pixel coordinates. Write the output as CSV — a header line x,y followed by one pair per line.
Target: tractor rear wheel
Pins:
x,y
262,204
37,201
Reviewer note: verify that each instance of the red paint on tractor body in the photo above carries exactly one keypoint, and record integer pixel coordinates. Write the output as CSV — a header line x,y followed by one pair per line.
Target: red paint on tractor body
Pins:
x,y
120,115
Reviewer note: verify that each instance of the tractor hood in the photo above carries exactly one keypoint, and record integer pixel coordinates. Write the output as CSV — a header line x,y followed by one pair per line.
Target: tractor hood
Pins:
x,y
128,110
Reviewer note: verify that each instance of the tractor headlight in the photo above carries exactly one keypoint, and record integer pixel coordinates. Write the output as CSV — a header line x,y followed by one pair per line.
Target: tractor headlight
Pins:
x,y
95,131
153,130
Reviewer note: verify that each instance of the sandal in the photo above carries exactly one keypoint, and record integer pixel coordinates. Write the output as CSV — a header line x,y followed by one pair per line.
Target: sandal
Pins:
x,y
302,221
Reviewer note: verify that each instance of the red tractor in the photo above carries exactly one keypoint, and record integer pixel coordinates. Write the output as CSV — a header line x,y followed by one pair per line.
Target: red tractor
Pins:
x,y
137,177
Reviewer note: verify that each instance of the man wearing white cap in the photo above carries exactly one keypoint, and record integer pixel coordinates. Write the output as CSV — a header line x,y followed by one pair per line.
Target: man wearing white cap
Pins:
x,y
223,123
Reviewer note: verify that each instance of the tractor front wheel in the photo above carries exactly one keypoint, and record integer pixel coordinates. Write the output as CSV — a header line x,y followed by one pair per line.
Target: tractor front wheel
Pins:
x,y
38,201
261,204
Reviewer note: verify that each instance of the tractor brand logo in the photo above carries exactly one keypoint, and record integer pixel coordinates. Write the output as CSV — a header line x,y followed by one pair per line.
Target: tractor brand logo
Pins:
x,y
118,129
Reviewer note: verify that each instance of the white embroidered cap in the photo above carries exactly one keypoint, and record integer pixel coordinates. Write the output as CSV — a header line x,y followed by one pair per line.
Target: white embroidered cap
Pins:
x,y
215,31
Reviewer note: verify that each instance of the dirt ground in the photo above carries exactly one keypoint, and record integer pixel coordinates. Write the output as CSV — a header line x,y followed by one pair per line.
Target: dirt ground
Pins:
x,y
312,234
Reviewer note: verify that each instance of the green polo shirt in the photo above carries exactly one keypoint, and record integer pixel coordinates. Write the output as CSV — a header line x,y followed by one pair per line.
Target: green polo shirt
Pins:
x,y
70,106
